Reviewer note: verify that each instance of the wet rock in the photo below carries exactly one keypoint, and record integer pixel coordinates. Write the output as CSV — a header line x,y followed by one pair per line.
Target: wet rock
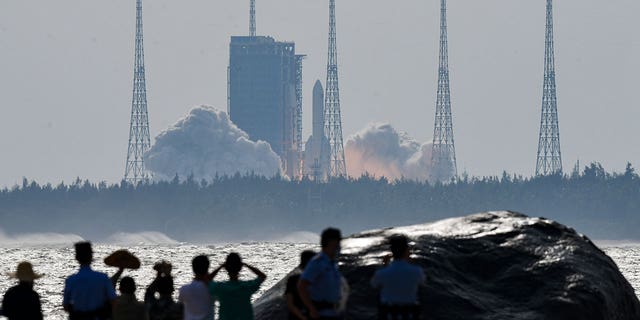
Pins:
x,y
495,265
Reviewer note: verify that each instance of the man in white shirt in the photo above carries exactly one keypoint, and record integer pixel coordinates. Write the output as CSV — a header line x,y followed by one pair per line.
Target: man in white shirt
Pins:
x,y
198,303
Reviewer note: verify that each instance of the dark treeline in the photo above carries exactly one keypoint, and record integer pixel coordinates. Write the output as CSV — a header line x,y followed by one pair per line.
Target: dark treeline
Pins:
x,y
600,204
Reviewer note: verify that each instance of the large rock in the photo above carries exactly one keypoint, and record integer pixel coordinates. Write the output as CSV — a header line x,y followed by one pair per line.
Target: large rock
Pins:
x,y
496,265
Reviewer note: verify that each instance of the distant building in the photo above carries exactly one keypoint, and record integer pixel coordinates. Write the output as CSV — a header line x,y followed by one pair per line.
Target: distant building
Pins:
x,y
262,83
316,154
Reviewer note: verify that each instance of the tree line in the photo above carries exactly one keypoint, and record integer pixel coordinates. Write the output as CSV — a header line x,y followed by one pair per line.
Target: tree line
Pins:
x,y
601,204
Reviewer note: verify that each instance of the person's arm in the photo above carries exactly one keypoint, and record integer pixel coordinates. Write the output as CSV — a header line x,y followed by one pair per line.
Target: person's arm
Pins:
x,y
258,273
293,308
116,277
4,308
150,293
66,298
303,291
110,292
215,272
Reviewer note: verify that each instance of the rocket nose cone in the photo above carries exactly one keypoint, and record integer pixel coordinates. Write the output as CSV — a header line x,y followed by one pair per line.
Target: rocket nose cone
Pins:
x,y
318,86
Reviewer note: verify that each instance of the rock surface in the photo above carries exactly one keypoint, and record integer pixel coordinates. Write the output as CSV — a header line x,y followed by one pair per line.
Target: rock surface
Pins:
x,y
495,265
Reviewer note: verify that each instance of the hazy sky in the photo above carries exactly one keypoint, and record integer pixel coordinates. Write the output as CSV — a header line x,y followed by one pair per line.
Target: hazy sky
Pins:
x,y
66,73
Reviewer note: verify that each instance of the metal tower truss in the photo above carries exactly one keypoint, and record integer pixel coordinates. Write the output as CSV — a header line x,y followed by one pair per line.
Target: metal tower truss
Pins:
x,y
298,124
252,18
333,119
549,160
443,156
139,140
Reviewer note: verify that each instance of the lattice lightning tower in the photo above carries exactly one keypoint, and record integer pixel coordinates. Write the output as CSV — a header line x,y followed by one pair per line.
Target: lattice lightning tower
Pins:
x,y
252,18
549,157
298,118
139,140
443,157
332,117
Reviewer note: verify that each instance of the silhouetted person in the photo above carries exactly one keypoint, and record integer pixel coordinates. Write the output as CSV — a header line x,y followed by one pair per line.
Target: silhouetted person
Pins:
x,y
163,269
398,283
320,284
88,295
297,310
21,302
234,295
198,304
127,307
164,307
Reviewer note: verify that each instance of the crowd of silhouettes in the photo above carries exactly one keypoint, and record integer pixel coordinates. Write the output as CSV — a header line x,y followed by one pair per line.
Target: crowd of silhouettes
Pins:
x,y
317,290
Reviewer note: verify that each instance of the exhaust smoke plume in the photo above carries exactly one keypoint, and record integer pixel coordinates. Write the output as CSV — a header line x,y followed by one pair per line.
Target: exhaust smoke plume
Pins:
x,y
382,151
205,143
37,239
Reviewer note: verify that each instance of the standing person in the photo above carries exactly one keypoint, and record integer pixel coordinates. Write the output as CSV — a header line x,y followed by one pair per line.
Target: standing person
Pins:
x,y
320,284
127,307
198,304
399,282
235,295
297,310
88,295
163,270
164,307
21,302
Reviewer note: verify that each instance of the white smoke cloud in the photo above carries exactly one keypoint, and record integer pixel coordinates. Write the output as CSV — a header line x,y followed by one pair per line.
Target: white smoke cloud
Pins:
x,y
37,239
382,151
141,238
205,143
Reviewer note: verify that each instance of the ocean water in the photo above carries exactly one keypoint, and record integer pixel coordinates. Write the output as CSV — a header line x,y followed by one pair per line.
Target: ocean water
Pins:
x,y
275,259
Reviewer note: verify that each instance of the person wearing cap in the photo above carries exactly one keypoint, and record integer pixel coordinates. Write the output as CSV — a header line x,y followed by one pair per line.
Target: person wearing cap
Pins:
x,y
21,302
398,282
88,295
320,285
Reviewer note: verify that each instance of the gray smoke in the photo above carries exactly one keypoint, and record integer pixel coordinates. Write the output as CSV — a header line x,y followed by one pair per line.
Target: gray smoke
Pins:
x,y
382,151
205,143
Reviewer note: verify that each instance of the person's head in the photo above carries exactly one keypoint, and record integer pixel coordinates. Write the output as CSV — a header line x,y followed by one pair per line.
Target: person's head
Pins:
x,y
127,285
399,247
305,257
165,286
163,268
330,241
233,264
200,265
84,253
